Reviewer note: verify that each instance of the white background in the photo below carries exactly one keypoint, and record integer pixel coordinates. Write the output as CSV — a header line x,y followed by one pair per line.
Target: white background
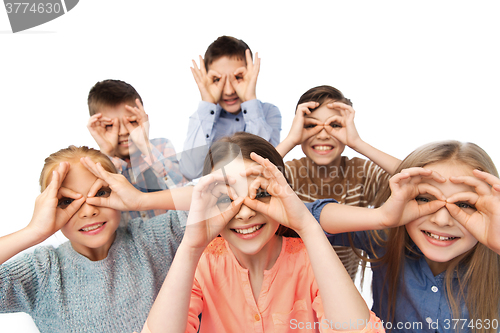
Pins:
x,y
416,71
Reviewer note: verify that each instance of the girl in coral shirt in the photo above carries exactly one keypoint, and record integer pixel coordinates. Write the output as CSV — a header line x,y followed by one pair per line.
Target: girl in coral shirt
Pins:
x,y
253,278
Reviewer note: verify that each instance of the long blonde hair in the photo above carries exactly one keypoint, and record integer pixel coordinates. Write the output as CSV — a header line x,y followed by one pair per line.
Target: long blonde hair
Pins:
x,y
72,154
478,271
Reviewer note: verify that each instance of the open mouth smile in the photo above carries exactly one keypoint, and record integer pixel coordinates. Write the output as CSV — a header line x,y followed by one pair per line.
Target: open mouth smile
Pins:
x,y
439,238
248,233
249,230
94,227
322,148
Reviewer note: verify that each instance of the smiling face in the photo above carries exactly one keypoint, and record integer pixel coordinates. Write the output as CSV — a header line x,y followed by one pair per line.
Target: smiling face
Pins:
x,y
439,236
125,145
322,148
229,99
249,232
91,230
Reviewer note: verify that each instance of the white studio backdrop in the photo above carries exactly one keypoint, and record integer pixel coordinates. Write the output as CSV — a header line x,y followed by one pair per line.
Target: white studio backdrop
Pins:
x,y
416,72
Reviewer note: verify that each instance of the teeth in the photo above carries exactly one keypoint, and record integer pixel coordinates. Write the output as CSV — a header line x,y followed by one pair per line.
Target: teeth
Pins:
x,y
437,237
124,142
94,227
323,147
249,230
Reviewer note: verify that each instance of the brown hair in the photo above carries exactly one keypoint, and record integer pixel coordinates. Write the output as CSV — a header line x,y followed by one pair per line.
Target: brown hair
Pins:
x,y
245,143
478,270
111,93
323,94
226,46
72,154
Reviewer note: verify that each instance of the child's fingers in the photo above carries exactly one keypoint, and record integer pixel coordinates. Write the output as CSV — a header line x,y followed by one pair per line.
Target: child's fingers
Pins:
x,y
271,171
259,182
240,71
63,169
140,106
431,207
209,182
424,173
54,185
203,70
232,209
335,120
91,166
196,75
309,132
220,84
98,171
487,177
115,128
57,179
479,184
93,120
301,111
256,205
399,178
74,207
339,105
99,201
458,214
231,78
98,184
139,114
307,106
135,110
425,188
67,193
256,65
249,58
195,65
469,197
255,170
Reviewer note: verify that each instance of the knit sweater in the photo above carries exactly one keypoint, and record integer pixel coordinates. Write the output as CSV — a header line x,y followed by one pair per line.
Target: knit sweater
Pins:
x,y
64,291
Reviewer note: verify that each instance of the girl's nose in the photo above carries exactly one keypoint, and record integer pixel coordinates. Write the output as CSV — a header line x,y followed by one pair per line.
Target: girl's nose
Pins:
x,y
87,211
245,213
442,218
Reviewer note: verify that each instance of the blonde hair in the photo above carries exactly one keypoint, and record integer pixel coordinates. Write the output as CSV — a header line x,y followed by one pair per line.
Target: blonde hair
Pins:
x,y
72,154
477,271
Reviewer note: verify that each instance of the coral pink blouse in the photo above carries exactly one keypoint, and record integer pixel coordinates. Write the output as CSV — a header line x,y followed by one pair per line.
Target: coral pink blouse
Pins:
x,y
289,300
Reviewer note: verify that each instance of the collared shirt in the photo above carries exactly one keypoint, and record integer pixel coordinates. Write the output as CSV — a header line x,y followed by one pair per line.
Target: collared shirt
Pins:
x,y
421,301
354,182
210,123
289,298
156,171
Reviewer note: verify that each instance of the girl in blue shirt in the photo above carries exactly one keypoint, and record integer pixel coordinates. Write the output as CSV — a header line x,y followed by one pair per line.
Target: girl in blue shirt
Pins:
x,y
437,268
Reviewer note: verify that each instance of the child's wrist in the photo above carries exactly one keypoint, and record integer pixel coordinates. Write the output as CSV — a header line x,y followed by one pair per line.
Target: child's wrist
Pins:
x,y
359,145
33,236
249,98
194,252
310,229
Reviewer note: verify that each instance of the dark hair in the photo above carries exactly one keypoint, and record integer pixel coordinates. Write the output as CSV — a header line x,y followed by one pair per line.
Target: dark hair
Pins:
x,y
226,46
245,143
322,94
111,93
